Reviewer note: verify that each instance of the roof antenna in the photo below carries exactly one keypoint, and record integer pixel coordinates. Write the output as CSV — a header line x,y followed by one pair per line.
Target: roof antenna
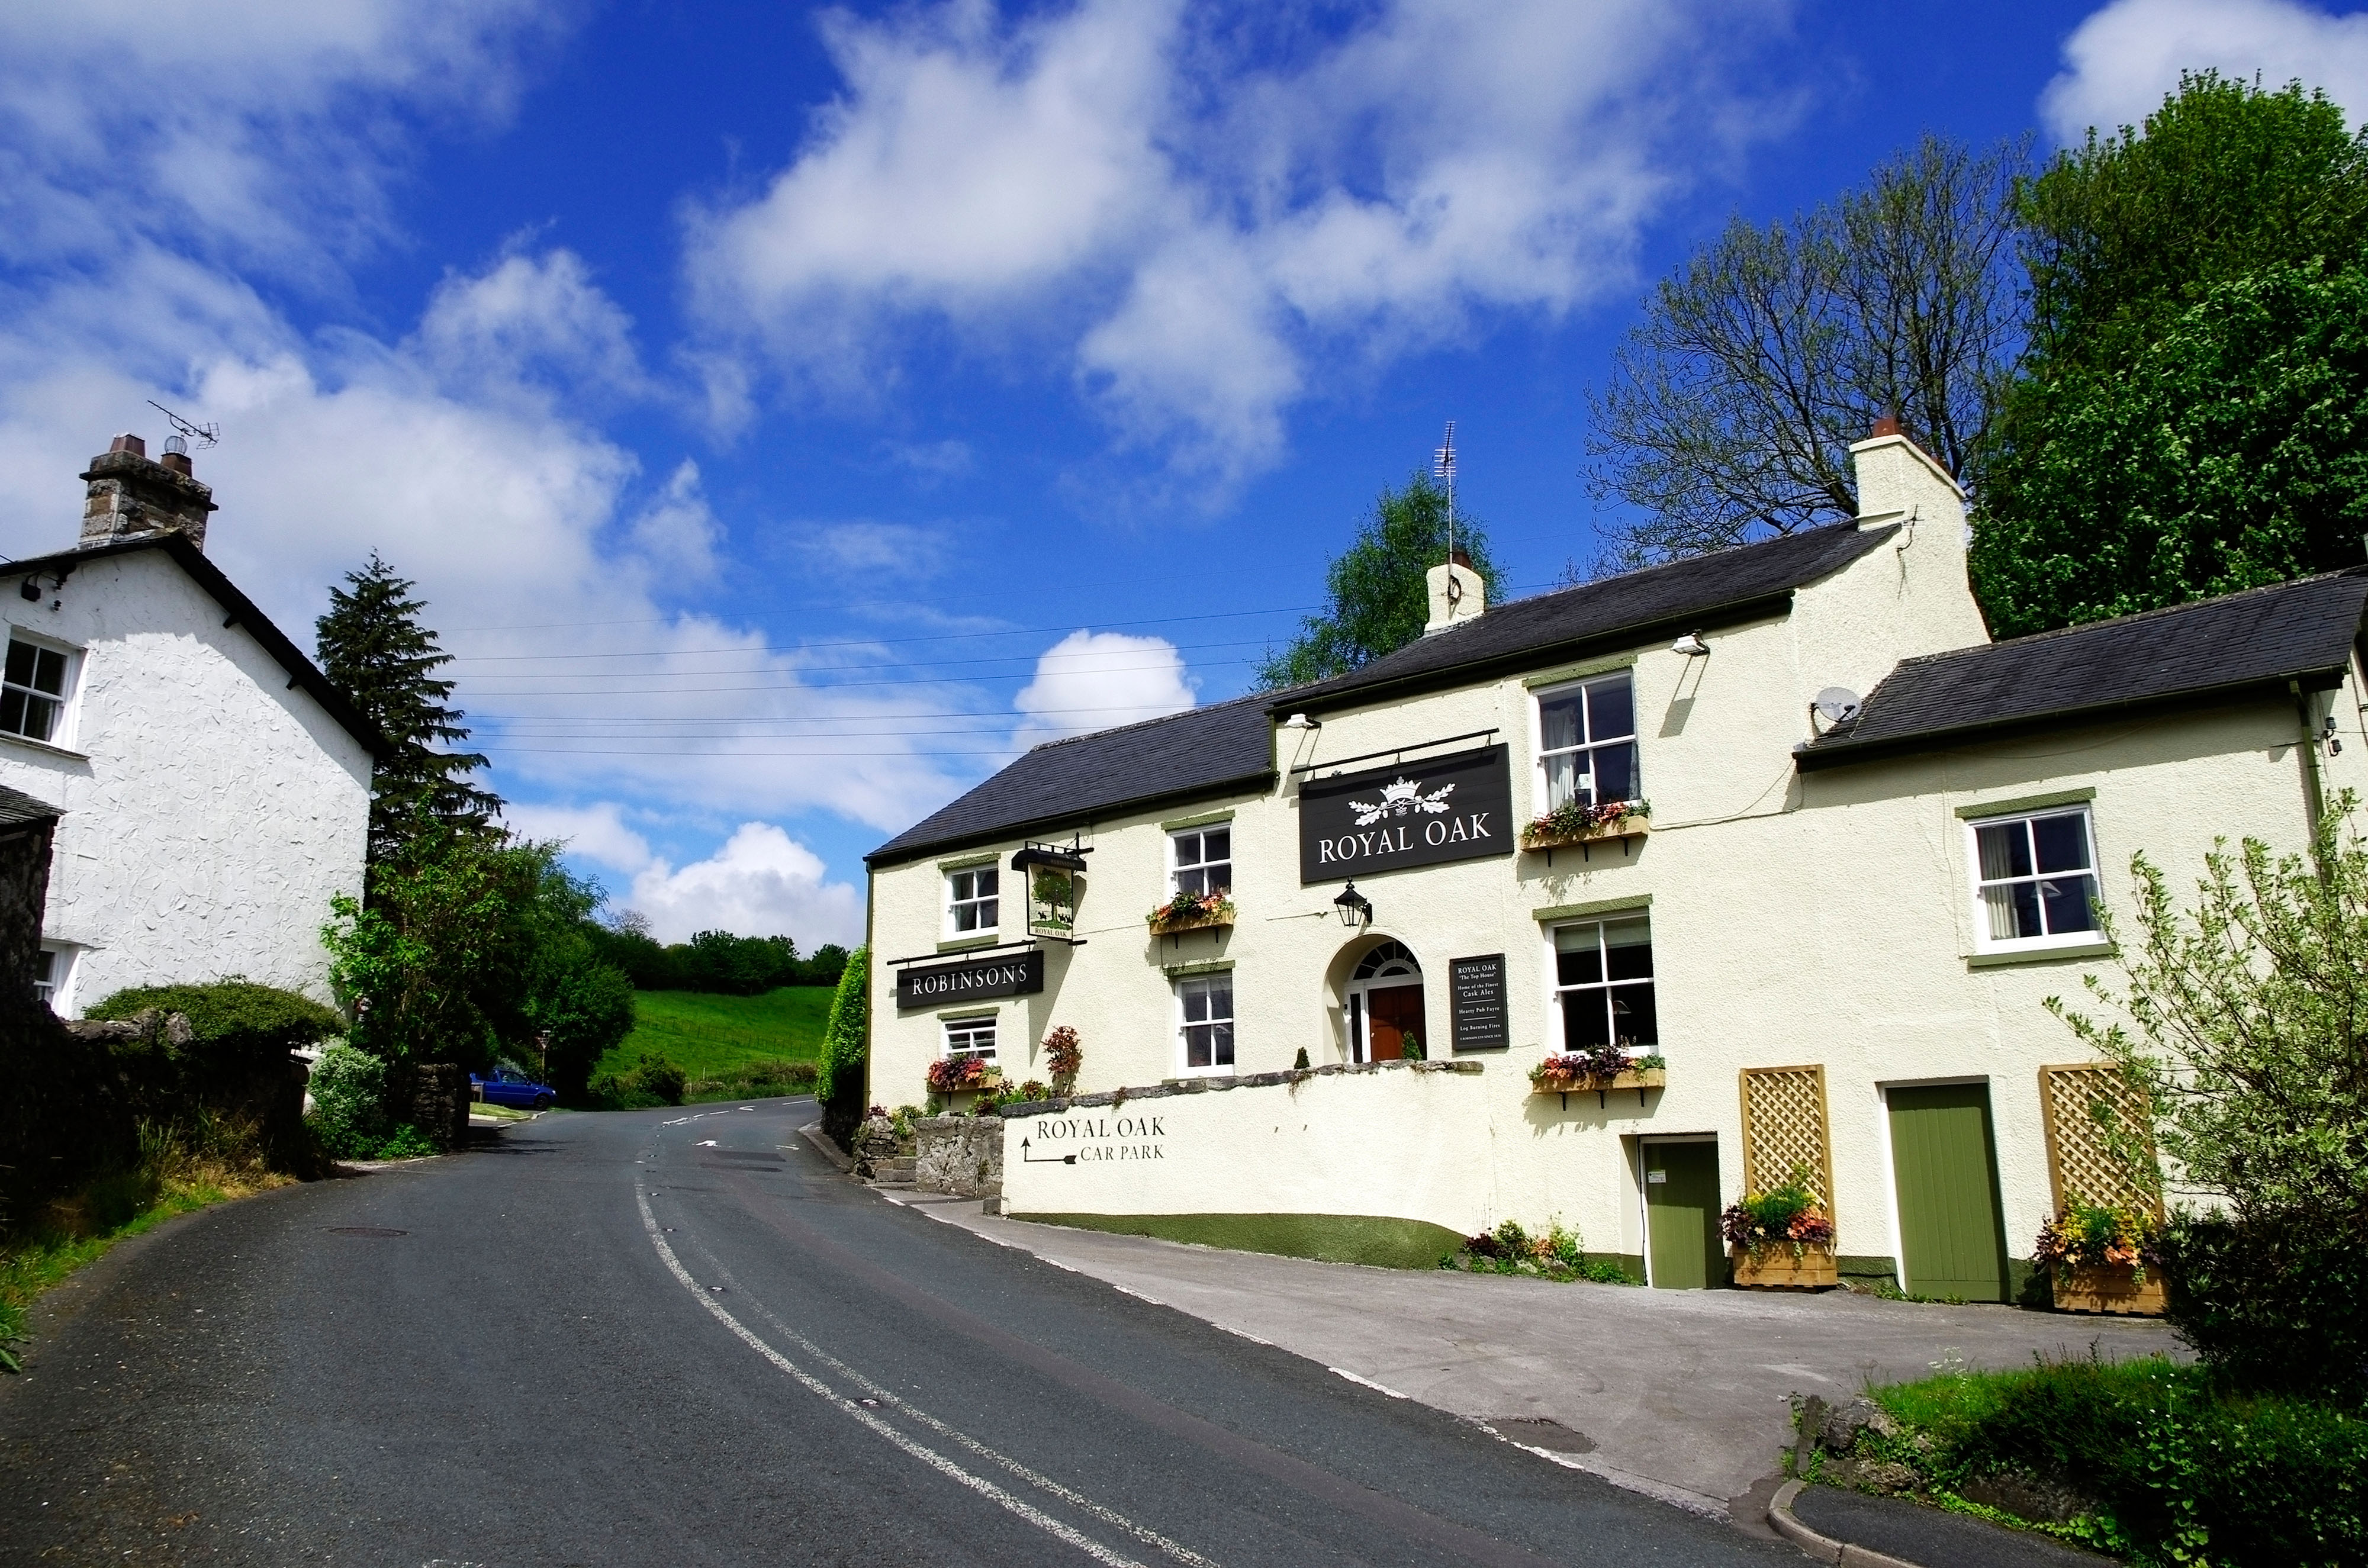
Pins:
x,y
1442,466
185,432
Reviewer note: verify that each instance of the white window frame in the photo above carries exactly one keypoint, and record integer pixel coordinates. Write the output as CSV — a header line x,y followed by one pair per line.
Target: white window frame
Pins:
x,y
1983,941
968,1028
60,982
954,903
1176,866
62,734
1185,1022
1544,800
1558,1024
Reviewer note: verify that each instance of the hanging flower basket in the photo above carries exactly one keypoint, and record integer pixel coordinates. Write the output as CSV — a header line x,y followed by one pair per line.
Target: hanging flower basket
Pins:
x,y
963,1074
1191,912
1575,822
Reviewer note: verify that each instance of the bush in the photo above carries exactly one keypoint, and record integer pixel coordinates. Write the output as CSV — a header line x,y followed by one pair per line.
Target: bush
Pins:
x,y
238,1031
2271,1309
846,1044
755,1080
652,1081
349,1102
581,1005
2175,1468
405,1143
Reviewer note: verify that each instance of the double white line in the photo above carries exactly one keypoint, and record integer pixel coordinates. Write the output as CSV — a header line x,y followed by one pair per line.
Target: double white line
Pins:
x,y
930,1457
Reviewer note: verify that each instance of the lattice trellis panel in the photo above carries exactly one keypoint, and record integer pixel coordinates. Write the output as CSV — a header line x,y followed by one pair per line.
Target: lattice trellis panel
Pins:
x,y
2079,1162
1786,1128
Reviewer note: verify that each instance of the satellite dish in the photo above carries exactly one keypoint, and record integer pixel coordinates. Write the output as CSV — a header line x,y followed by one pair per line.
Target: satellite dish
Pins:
x,y
1838,704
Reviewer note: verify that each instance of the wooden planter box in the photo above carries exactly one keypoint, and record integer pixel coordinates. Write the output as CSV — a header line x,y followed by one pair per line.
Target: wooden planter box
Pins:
x,y
1636,1078
993,1080
1777,1267
1625,829
2108,1287
1194,923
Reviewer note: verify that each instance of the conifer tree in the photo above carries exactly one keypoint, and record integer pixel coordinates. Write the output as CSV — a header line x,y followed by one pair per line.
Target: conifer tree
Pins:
x,y
372,645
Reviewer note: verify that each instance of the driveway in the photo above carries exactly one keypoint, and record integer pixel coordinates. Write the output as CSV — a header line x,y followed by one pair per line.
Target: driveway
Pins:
x,y
1680,1392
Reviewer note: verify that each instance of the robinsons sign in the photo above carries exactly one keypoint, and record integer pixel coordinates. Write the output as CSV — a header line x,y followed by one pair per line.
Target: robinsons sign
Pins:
x,y
1451,808
1007,974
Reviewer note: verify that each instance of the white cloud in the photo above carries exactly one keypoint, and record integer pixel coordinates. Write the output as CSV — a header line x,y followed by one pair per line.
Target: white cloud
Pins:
x,y
677,531
1200,233
2120,62
1094,680
597,834
761,882
531,321
905,551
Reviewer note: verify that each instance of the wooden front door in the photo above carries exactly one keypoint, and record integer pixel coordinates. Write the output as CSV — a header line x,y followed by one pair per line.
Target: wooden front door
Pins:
x,y
1944,1164
1394,1012
1681,1216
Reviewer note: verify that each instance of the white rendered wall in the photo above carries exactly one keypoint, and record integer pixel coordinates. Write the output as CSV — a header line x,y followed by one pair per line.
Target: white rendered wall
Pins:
x,y
1820,918
210,811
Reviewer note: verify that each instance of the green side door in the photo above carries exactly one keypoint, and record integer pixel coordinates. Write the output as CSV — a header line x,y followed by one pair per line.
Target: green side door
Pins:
x,y
1681,1216
1944,1159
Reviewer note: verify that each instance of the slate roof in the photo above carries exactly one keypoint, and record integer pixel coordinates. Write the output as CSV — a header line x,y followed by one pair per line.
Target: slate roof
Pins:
x,y
2213,649
1067,783
1617,612
243,611
20,810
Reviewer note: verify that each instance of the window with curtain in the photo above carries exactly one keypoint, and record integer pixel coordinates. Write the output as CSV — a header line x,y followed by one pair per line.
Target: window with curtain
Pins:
x,y
1206,1004
1586,742
2037,879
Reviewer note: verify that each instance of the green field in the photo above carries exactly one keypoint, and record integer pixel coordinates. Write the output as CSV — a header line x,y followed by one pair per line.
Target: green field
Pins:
x,y
708,1035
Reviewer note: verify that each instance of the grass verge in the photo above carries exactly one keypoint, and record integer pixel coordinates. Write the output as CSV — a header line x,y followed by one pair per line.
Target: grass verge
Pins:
x,y
713,1037
2152,1461
180,1169
1332,1238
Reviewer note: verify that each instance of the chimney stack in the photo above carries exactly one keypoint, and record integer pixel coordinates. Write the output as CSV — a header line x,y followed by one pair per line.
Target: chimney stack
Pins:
x,y
129,495
1457,594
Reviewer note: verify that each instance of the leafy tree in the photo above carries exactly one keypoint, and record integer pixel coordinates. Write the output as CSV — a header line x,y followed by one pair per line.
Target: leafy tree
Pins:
x,y
1731,407
2229,452
845,1048
372,645
2243,1023
579,1008
2187,420
1379,587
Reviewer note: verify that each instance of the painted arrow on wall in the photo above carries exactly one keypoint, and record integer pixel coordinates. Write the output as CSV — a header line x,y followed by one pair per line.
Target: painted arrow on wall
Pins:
x,y
1028,1159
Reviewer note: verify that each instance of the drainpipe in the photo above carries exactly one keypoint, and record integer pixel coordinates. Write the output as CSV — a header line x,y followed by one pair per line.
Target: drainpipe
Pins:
x,y
2314,794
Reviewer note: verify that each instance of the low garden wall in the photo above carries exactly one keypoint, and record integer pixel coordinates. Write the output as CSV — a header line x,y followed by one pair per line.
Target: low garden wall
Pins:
x,y
959,1154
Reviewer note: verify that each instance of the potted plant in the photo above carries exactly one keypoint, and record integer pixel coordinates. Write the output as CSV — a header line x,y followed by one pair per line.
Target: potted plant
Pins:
x,y
1603,1069
1191,910
2098,1258
1064,1054
1575,822
1781,1239
963,1076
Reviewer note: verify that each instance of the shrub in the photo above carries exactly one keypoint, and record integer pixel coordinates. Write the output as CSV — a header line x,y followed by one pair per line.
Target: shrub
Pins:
x,y
1064,1055
405,1143
846,1044
349,1090
2175,1467
755,1080
661,1077
652,1081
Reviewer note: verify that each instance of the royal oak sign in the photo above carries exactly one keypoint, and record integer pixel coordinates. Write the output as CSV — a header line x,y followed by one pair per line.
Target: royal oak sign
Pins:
x,y
1005,974
1451,807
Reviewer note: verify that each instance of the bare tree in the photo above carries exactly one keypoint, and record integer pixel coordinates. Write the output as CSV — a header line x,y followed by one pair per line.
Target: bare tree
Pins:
x,y
1731,407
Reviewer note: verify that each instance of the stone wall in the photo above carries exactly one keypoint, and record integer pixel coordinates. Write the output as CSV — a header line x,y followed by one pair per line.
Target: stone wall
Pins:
x,y
959,1154
439,1102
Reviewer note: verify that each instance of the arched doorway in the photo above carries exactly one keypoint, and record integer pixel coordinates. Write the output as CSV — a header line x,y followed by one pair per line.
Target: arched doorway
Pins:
x,y
1386,1004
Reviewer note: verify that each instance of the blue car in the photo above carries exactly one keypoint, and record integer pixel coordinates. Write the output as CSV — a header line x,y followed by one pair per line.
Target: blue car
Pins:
x,y
513,1089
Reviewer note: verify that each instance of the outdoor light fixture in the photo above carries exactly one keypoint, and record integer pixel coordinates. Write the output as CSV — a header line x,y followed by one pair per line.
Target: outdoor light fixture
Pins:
x,y
1356,909
1690,645
1301,722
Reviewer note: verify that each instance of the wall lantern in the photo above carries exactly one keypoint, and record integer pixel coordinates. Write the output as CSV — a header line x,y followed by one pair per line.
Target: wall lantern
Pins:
x,y
1052,873
1356,909
1691,645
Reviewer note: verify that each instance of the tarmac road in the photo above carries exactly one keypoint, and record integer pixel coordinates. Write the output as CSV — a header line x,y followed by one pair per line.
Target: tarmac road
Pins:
x,y
682,1337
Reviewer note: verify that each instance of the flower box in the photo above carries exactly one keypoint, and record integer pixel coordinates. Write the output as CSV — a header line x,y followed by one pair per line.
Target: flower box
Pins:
x,y
1779,1267
2108,1287
1636,1078
1188,911
1163,926
942,1081
1626,827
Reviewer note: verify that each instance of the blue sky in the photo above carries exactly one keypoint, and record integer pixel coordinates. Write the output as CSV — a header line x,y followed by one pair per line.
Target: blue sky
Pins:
x,y
789,413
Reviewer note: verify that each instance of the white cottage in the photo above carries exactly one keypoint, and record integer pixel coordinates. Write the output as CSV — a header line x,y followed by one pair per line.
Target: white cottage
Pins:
x,y
214,788
1845,848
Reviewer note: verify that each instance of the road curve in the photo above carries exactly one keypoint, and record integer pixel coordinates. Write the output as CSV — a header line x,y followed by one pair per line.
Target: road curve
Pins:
x,y
682,1337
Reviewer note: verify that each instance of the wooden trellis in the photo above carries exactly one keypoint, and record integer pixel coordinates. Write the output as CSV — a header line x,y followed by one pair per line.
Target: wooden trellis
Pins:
x,y
1786,1128
2079,1162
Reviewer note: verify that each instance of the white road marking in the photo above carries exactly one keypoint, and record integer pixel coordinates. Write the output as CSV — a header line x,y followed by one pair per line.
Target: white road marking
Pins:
x,y
927,1456
1366,1382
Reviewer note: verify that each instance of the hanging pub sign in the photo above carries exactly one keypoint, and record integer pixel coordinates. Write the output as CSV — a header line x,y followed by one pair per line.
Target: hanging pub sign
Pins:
x,y
1458,807
1003,974
1054,875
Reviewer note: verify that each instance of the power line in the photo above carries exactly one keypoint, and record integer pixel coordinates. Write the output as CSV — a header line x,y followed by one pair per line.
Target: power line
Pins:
x,y
794,685
1031,659
866,641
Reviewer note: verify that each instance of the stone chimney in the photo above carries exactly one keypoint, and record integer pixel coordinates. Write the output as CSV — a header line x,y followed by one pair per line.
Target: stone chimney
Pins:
x,y
1457,594
130,494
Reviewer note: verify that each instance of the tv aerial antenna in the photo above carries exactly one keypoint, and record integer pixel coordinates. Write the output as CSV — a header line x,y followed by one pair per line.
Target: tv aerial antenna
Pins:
x,y
185,432
1442,467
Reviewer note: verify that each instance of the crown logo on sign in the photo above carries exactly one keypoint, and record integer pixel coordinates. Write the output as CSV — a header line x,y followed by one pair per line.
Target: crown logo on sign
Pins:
x,y
1403,797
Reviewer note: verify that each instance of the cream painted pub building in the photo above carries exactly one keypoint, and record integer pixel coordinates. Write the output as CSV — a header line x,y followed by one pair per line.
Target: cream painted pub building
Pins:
x,y
1869,844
